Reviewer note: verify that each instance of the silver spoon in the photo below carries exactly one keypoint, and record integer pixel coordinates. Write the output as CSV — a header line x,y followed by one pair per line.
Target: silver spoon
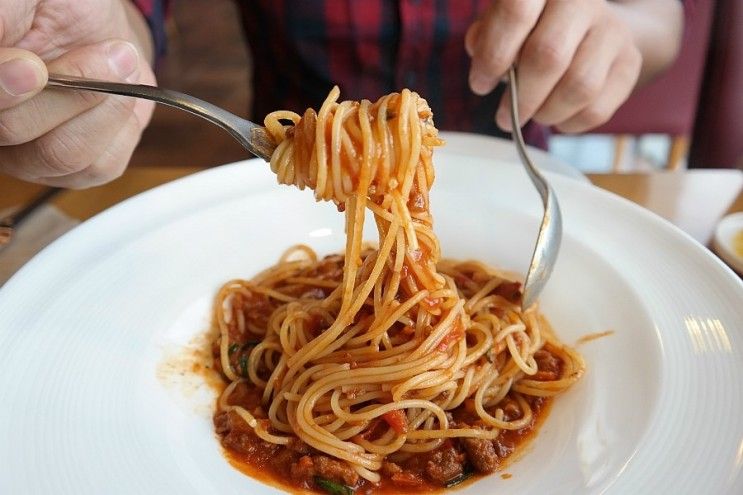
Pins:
x,y
550,231
249,134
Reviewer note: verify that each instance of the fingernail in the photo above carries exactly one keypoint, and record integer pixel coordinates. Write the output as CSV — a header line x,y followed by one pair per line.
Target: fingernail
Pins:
x,y
123,58
480,85
19,76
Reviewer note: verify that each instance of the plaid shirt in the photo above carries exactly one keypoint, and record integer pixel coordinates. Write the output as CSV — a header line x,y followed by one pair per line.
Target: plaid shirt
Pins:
x,y
300,49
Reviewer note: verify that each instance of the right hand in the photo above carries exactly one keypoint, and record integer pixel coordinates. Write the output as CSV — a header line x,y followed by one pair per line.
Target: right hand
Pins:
x,y
61,137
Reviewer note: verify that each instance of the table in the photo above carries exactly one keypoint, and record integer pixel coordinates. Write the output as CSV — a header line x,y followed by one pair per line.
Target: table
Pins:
x,y
693,200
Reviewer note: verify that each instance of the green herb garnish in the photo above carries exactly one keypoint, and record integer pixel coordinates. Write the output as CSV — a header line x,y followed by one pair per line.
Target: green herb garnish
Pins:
x,y
466,474
243,363
231,350
332,487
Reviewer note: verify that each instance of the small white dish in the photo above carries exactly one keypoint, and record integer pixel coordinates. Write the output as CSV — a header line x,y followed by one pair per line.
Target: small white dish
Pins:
x,y
728,241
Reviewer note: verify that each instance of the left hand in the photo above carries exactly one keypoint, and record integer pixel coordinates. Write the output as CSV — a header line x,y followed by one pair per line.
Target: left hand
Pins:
x,y
577,60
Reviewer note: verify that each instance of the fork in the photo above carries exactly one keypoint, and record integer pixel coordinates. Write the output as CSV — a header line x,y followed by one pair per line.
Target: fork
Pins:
x,y
254,138
11,222
550,230
249,134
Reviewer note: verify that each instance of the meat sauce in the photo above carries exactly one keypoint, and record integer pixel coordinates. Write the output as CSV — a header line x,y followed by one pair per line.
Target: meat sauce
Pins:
x,y
298,468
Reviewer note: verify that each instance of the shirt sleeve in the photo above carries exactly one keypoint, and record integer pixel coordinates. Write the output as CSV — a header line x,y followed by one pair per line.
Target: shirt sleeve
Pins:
x,y
155,12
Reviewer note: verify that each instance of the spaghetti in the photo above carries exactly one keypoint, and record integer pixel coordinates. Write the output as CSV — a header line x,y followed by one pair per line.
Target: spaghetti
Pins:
x,y
381,355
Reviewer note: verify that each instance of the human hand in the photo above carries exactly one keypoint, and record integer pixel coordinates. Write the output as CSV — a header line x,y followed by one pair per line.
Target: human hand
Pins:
x,y
60,137
577,59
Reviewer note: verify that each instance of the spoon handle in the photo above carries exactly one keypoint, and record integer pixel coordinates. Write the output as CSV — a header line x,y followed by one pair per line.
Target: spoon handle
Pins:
x,y
247,133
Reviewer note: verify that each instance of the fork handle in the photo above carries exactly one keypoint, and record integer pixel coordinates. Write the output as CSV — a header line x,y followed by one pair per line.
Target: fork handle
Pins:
x,y
252,136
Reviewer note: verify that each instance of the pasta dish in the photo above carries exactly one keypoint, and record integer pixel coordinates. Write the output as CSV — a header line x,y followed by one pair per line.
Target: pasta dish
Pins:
x,y
387,368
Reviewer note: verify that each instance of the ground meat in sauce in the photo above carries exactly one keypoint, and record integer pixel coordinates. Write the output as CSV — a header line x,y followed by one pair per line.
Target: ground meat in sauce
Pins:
x,y
548,364
481,454
307,467
298,446
221,423
240,437
255,307
511,409
510,291
298,464
390,468
284,460
246,397
335,470
406,479
504,448
303,470
329,268
313,293
445,464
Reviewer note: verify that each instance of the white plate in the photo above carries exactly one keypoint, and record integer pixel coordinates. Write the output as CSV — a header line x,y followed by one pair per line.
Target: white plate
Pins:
x,y
86,326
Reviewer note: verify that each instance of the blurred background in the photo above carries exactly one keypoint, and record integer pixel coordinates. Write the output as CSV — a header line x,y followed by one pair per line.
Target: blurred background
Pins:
x,y
691,117
653,152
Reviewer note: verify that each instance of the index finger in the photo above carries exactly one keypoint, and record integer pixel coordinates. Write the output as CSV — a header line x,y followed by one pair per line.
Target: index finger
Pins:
x,y
502,30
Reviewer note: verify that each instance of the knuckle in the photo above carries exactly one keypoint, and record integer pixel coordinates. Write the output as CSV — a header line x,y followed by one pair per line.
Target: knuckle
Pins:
x,y
62,153
112,165
121,106
582,87
107,169
95,175
628,67
116,170
595,115
12,132
86,68
90,98
546,55
113,161
548,115
514,11
471,37
495,61
635,58
609,22
83,64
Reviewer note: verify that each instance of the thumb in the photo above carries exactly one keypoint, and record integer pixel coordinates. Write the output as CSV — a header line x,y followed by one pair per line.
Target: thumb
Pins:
x,y
22,75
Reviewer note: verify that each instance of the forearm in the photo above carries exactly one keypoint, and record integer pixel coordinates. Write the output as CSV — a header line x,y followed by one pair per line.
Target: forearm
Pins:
x,y
657,27
141,34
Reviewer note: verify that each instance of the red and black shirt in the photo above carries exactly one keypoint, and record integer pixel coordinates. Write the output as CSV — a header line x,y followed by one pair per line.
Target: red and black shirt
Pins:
x,y
301,48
